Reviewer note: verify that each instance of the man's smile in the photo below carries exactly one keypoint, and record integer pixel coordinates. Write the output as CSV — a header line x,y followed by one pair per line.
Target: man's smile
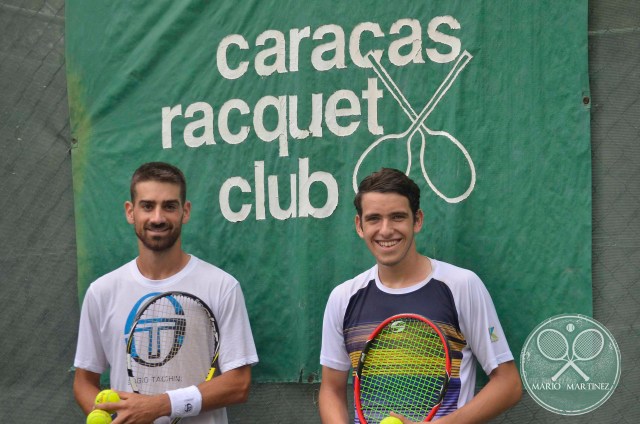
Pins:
x,y
387,243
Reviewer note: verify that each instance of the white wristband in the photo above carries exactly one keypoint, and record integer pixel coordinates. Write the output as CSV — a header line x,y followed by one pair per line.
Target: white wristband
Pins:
x,y
185,402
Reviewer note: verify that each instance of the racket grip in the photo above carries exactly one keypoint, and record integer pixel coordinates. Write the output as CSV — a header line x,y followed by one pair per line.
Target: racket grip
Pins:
x,y
564,368
210,374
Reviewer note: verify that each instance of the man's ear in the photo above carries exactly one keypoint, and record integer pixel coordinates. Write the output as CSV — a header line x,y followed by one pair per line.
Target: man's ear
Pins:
x,y
358,223
419,221
186,212
128,211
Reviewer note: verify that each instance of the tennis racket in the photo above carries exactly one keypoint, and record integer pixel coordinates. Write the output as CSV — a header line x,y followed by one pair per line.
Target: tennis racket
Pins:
x,y
172,344
405,368
554,346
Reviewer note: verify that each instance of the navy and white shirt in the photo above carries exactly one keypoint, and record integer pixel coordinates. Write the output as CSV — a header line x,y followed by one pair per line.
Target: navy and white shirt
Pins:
x,y
452,297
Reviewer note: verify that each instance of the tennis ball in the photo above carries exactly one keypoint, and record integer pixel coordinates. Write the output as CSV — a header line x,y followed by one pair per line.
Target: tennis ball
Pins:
x,y
107,396
391,420
98,416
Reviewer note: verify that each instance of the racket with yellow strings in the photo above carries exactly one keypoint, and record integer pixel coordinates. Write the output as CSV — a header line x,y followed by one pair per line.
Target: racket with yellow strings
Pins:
x,y
404,368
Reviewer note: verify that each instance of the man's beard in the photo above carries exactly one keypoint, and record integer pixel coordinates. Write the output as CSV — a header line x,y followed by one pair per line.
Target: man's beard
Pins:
x,y
159,243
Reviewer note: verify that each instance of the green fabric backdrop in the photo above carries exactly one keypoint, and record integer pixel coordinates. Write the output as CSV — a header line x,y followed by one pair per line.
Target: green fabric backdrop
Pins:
x,y
269,107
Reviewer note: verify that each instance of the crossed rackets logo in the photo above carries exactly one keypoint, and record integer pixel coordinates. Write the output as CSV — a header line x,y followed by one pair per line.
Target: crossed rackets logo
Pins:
x,y
554,346
418,126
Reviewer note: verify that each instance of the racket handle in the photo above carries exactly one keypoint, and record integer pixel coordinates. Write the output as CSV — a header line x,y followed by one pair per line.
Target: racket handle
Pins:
x,y
210,374
564,368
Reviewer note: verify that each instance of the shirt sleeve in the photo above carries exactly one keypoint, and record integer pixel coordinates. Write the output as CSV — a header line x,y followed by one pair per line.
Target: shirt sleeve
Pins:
x,y
90,354
481,326
237,347
333,353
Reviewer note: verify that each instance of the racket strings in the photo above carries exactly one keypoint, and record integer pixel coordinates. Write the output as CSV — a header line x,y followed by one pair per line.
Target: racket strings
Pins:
x,y
404,371
168,344
552,344
588,344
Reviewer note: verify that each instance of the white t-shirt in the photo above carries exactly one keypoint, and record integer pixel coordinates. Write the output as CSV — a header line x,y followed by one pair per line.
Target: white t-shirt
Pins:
x,y
452,297
111,303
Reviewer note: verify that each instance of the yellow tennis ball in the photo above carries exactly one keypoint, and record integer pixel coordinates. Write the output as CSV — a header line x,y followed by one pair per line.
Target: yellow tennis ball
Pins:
x,y
391,420
98,416
107,396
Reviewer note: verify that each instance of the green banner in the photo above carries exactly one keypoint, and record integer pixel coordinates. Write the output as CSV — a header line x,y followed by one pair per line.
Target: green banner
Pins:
x,y
276,109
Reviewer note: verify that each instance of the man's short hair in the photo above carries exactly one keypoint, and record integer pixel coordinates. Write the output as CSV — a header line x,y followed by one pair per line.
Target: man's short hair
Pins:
x,y
389,180
162,172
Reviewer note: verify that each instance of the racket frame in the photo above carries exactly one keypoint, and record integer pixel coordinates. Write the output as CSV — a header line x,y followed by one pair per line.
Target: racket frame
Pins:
x,y
139,314
369,343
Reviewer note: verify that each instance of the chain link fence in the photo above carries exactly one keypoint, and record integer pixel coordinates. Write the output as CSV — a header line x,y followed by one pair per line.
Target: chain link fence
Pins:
x,y
38,256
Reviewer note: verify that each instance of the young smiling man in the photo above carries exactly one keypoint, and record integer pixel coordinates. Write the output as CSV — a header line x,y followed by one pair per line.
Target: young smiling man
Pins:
x,y
404,281
157,210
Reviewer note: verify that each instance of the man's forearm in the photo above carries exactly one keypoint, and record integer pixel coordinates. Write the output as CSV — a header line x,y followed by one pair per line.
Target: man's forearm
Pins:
x,y
226,389
86,386
503,391
333,407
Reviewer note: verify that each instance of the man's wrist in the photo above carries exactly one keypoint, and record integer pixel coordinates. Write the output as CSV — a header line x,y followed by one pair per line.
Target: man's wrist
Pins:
x,y
165,407
185,402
